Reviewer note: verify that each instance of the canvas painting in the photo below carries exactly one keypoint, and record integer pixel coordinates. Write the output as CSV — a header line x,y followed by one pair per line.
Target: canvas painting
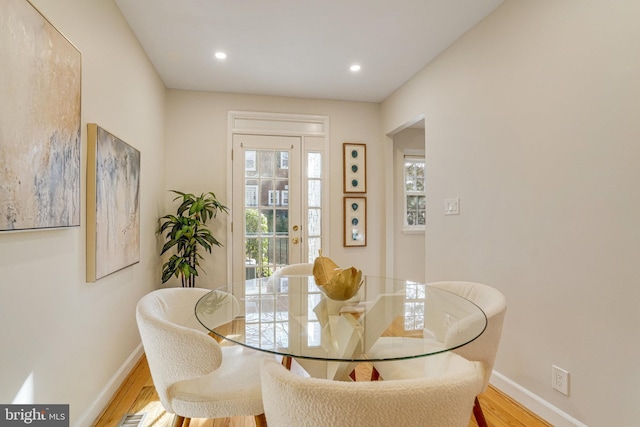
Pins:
x,y
40,84
113,203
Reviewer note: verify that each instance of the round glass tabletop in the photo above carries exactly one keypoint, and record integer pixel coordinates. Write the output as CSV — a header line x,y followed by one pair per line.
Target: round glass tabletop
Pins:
x,y
388,319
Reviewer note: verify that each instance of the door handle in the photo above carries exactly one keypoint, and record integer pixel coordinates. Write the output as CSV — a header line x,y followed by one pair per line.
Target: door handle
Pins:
x,y
295,240
295,228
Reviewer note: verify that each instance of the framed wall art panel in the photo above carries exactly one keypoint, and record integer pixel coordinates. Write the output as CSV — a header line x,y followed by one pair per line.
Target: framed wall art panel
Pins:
x,y
355,167
355,221
113,203
40,85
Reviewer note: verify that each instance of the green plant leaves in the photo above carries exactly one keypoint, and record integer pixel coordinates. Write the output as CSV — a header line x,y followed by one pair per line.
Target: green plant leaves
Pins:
x,y
187,232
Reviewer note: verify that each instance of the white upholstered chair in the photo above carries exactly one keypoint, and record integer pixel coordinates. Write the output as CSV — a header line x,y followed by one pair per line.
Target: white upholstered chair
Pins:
x,y
482,349
288,270
444,400
194,376
293,269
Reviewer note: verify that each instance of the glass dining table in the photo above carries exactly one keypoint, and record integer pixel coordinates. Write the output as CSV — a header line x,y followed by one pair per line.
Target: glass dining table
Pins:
x,y
388,319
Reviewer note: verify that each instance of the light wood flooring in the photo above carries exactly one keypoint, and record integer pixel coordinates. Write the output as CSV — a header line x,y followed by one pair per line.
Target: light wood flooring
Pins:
x,y
138,395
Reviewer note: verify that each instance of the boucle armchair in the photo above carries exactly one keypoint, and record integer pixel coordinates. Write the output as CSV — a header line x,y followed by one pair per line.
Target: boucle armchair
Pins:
x,y
193,375
441,401
294,269
482,349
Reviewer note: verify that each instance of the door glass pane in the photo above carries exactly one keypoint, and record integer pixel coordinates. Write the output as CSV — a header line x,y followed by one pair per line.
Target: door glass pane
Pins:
x,y
315,193
282,193
254,224
313,222
251,192
267,193
266,163
282,163
314,204
315,244
282,221
282,251
268,253
267,218
314,165
251,163
266,211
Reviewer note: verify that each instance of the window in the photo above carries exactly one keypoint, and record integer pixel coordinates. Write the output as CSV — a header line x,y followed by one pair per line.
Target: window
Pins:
x,y
274,197
414,304
414,193
284,160
251,195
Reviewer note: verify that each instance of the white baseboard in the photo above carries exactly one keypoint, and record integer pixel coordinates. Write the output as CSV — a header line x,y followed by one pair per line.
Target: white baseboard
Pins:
x,y
105,395
533,402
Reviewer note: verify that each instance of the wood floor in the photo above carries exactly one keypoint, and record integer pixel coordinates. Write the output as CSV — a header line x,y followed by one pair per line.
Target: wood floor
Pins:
x,y
137,395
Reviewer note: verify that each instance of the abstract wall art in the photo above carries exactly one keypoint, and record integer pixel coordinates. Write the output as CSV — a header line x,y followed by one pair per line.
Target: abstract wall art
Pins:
x,y
40,84
113,203
355,167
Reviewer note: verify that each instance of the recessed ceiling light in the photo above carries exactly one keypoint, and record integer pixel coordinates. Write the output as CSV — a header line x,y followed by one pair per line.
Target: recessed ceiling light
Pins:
x,y
220,55
355,68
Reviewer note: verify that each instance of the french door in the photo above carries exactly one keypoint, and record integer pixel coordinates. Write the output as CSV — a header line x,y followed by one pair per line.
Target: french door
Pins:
x,y
268,226
279,187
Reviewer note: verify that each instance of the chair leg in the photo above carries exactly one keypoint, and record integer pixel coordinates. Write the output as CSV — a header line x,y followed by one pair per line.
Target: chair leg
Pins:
x,y
375,375
178,420
261,420
286,362
477,412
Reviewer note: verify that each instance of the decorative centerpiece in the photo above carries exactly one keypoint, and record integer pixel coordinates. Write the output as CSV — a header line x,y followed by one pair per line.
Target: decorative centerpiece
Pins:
x,y
336,283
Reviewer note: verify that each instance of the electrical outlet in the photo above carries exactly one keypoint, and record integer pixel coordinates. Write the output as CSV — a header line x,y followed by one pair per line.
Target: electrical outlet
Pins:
x,y
560,380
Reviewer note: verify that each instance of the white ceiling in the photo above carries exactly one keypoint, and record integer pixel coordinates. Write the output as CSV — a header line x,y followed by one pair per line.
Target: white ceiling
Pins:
x,y
298,48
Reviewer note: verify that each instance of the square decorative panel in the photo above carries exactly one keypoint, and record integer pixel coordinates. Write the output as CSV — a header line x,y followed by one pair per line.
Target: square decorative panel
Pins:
x,y
355,167
355,221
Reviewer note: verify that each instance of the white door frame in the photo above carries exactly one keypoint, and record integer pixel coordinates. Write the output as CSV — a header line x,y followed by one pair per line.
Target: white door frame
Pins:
x,y
261,123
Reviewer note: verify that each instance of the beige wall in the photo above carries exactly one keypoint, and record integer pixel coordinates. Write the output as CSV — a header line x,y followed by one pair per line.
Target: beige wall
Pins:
x,y
532,120
197,124
64,340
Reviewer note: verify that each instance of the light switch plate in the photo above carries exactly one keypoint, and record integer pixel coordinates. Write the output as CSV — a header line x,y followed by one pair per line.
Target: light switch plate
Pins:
x,y
452,206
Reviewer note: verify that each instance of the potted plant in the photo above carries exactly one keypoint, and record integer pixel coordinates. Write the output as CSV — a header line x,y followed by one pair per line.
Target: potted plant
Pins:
x,y
187,232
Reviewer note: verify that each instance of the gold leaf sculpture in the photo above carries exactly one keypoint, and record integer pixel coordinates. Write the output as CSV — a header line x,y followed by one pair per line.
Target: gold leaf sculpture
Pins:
x,y
336,283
